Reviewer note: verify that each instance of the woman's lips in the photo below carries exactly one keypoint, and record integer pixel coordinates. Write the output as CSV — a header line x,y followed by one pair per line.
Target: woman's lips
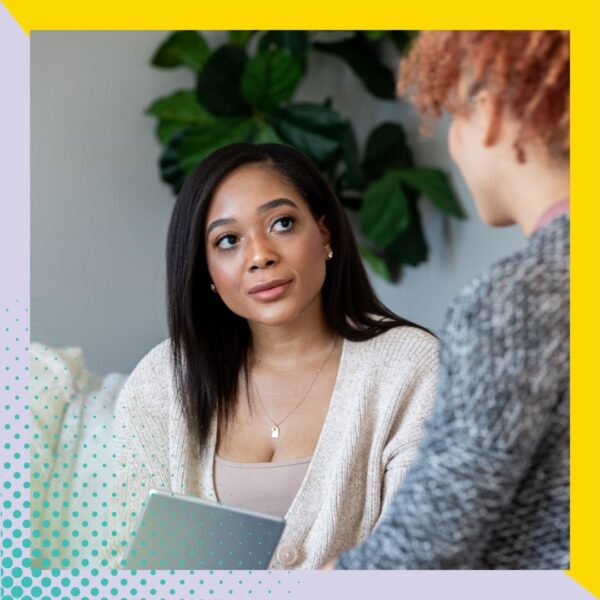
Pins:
x,y
271,290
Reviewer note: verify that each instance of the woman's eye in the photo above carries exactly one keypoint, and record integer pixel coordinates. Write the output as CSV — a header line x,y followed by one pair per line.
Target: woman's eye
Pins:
x,y
227,241
283,224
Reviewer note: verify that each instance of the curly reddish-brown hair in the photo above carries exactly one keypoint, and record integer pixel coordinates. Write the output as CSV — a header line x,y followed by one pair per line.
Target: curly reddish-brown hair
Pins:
x,y
526,73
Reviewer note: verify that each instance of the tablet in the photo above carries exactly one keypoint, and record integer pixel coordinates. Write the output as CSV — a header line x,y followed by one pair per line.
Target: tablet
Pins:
x,y
182,532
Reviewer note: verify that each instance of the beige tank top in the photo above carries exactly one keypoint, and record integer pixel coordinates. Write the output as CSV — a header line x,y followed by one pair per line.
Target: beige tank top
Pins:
x,y
261,487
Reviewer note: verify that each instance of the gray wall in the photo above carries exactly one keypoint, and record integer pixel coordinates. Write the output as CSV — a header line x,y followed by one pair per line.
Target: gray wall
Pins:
x,y
99,211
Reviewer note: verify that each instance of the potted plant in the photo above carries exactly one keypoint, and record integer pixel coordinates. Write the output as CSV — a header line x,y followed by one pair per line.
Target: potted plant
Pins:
x,y
243,90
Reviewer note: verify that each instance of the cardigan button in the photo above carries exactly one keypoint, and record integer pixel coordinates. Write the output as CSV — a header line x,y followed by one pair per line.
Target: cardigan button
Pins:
x,y
287,555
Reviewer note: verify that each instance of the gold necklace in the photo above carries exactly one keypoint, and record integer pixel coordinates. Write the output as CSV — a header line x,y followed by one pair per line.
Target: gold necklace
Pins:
x,y
275,429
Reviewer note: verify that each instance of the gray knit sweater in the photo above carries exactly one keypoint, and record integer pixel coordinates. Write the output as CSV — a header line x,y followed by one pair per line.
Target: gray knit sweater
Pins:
x,y
490,486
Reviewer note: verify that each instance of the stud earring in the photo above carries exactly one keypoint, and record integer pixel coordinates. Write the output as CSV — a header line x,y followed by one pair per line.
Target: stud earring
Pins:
x,y
330,255
212,287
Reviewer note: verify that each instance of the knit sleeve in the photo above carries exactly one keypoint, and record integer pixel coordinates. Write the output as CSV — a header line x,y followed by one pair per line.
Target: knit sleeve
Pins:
x,y
140,442
496,395
401,449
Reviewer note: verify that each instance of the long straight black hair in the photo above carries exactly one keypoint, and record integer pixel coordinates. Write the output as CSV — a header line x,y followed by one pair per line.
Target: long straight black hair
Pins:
x,y
210,343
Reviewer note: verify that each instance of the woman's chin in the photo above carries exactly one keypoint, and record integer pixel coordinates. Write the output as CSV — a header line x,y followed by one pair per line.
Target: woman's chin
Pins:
x,y
285,311
276,314
273,319
492,215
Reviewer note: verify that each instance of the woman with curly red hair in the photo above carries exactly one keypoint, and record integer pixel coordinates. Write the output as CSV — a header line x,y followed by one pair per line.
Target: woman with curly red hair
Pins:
x,y
489,488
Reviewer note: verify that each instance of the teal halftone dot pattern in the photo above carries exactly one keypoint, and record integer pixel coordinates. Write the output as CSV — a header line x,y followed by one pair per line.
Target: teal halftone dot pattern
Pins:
x,y
15,505
57,474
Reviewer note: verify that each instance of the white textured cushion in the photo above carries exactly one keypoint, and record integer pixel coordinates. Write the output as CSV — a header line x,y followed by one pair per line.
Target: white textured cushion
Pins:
x,y
72,413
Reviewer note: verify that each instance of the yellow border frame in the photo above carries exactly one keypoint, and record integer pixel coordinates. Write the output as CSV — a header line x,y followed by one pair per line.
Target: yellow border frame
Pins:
x,y
511,14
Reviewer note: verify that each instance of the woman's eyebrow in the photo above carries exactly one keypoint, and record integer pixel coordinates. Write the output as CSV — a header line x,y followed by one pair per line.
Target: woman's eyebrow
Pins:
x,y
219,223
275,203
261,209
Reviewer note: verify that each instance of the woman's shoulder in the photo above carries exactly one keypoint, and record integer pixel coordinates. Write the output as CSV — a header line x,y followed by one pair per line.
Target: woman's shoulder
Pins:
x,y
150,384
158,357
527,288
405,347
408,339
154,366
393,371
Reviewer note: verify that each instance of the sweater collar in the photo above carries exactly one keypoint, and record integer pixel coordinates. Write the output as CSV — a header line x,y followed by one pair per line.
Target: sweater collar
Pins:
x,y
558,209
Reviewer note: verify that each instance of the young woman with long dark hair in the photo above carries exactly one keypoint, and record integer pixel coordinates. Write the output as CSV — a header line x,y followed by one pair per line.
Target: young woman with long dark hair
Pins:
x,y
286,387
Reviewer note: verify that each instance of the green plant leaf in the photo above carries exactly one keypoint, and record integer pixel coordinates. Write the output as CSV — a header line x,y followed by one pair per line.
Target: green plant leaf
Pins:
x,y
374,36
376,262
181,106
386,147
410,246
311,128
170,168
434,184
270,78
353,176
196,142
218,88
175,112
265,134
183,48
241,37
320,117
362,58
318,146
384,213
199,142
167,130
402,40
295,42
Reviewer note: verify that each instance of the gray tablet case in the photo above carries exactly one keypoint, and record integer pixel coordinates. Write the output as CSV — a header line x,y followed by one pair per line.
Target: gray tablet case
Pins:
x,y
183,532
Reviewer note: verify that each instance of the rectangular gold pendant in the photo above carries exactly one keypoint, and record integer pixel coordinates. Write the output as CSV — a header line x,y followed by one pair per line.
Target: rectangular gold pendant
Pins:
x,y
274,431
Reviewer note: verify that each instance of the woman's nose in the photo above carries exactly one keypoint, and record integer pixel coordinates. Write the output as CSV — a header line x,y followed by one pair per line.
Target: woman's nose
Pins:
x,y
261,254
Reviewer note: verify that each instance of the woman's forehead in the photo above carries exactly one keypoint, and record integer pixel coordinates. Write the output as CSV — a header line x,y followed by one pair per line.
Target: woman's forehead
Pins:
x,y
248,188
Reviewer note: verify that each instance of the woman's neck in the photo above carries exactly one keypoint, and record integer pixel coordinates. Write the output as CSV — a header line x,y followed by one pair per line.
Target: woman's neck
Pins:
x,y
530,189
536,200
292,344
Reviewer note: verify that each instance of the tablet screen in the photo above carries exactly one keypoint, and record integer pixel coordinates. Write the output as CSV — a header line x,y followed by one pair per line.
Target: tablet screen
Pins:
x,y
183,532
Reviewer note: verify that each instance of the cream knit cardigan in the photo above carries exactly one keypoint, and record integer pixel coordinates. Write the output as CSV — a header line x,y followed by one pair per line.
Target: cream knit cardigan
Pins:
x,y
383,394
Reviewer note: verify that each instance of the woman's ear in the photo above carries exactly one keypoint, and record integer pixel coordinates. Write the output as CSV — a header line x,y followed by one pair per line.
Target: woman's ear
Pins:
x,y
325,233
484,116
479,107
